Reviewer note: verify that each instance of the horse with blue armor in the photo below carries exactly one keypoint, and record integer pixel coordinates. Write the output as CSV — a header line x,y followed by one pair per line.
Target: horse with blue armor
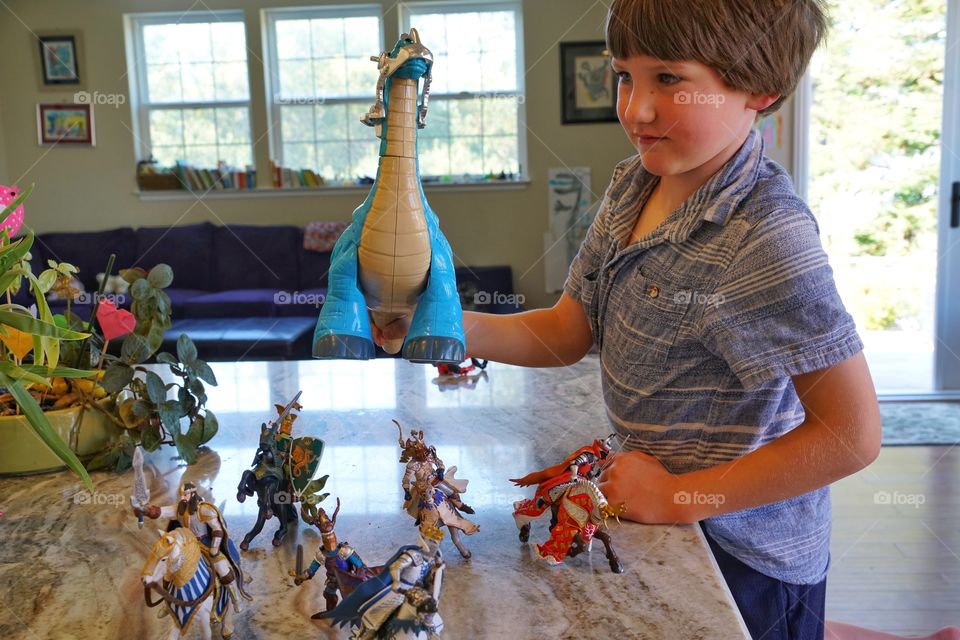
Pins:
x,y
393,261
181,572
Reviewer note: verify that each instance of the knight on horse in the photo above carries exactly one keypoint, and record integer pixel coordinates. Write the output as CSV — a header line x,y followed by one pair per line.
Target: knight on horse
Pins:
x,y
206,523
432,494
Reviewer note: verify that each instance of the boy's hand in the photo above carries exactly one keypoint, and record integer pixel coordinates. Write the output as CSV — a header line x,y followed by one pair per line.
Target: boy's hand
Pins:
x,y
396,330
645,486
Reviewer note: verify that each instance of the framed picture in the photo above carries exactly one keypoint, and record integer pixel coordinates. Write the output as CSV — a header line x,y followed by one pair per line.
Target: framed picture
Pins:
x,y
587,83
65,124
58,55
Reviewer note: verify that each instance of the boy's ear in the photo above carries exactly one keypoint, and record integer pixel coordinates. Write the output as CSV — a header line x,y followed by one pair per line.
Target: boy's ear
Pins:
x,y
760,101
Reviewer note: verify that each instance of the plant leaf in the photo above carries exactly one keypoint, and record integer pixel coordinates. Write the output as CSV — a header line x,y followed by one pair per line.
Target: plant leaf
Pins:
x,y
166,358
150,437
135,349
139,288
42,427
36,327
161,276
117,376
210,427
156,390
204,372
186,350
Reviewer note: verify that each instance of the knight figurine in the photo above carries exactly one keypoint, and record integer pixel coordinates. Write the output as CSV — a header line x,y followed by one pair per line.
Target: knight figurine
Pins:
x,y
206,522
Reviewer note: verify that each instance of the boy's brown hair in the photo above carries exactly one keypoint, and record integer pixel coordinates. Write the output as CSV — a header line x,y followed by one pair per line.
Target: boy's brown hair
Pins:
x,y
757,46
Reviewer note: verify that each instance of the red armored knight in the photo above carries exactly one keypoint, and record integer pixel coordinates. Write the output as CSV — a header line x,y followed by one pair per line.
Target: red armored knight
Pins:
x,y
578,507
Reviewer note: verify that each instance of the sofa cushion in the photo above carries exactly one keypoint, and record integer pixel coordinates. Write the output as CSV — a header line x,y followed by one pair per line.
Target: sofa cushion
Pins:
x,y
257,257
314,267
234,303
248,338
186,249
86,250
179,297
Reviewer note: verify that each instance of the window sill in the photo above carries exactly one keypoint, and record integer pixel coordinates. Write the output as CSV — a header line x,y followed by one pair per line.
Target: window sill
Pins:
x,y
226,194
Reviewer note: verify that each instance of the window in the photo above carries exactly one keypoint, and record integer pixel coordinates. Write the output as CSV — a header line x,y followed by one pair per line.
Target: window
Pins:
x,y
190,88
476,98
320,82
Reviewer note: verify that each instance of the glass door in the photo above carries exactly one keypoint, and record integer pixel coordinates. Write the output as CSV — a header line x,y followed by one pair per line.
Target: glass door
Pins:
x,y
877,176
947,335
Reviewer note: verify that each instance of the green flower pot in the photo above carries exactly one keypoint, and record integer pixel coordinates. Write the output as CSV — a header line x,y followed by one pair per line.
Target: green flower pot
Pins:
x,y
22,452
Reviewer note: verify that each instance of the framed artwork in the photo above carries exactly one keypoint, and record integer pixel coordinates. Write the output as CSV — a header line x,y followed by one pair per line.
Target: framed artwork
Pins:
x,y
58,57
587,83
65,124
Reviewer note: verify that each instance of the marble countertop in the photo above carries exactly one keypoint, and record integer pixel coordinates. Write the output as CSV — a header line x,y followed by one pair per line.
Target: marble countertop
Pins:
x,y
70,561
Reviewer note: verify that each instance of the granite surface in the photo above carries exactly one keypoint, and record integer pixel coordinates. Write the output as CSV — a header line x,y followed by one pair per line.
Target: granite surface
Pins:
x,y
70,561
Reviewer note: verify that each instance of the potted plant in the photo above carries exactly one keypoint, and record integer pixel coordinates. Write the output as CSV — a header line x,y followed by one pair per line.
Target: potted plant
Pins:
x,y
105,404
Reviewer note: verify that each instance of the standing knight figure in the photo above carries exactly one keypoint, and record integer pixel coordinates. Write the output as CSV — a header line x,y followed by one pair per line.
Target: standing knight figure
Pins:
x,y
207,524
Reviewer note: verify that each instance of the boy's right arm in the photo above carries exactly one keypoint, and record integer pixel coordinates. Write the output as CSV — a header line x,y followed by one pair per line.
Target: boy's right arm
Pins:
x,y
553,337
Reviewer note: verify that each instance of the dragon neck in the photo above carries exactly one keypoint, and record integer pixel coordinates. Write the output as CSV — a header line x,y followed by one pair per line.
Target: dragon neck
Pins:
x,y
400,132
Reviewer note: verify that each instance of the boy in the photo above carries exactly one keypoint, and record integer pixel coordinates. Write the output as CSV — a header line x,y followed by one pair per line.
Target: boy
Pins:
x,y
728,360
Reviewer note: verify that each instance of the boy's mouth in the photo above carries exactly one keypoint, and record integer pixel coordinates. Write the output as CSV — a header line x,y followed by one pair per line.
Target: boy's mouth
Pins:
x,y
649,139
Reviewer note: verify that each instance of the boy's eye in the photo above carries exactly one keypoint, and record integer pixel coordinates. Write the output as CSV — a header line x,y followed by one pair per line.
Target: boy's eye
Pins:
x,y
622,76
668,78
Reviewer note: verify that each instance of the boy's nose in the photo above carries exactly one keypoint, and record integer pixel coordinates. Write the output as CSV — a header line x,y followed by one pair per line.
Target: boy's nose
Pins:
x,y
640,107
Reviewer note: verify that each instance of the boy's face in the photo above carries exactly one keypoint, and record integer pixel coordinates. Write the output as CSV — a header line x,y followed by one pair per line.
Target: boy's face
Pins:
x,y
680,115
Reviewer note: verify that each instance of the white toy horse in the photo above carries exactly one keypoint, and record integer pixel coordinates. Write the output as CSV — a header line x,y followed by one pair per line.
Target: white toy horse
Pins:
x,y
177,571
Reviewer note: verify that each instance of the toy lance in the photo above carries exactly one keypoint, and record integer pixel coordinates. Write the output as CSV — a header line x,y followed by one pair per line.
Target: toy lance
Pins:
x,y
140,494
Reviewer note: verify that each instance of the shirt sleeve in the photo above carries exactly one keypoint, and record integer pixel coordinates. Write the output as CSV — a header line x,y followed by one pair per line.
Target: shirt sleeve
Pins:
x,y
776,311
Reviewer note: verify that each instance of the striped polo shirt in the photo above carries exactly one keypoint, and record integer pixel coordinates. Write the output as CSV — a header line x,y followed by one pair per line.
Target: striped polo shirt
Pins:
x,y
701,324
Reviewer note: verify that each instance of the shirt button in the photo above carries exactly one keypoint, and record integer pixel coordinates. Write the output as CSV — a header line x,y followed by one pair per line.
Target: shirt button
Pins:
x,y
653,291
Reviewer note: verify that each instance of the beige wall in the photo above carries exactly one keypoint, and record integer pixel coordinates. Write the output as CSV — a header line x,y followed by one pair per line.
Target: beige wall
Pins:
x,y
93,188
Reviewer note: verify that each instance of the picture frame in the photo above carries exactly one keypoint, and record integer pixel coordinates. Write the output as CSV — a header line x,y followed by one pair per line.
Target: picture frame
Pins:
x,y
588,90
58,59
70,124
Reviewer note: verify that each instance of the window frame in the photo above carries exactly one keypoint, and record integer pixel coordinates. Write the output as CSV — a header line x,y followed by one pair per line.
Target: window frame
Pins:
x,y
136,69
408,10
271,67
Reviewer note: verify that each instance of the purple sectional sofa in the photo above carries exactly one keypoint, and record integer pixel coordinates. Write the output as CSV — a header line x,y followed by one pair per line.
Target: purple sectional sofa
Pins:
x,y
239,291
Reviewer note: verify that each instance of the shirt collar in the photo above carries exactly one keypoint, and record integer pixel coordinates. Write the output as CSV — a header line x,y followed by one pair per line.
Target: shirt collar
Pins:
x,y
715,200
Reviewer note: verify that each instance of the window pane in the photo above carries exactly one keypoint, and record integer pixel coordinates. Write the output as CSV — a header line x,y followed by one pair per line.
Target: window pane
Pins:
x,y
500,115
362,77
198,81
468,71
203,156
163,83
435,156
231,81
331,121
167,156
166,127
356,130
330,77
293,39
500,154
195,62
364,157
233,125
465,117
236,155
498,70
199,126
467,155
299,155
333,160
363,36
463,36
327,37
160,43
193,42
229,42
296,80
438,119
296,123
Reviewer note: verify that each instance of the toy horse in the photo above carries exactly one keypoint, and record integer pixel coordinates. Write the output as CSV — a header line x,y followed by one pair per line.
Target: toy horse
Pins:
x,y
393,261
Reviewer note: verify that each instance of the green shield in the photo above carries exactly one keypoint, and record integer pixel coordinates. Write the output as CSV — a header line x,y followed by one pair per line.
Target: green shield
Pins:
x,y
305,454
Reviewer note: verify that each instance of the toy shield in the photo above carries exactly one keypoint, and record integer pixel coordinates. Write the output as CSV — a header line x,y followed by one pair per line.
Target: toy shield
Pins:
x,y
305,456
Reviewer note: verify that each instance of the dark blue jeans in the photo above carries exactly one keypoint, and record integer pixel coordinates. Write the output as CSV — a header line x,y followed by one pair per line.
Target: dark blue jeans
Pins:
x,y
772,609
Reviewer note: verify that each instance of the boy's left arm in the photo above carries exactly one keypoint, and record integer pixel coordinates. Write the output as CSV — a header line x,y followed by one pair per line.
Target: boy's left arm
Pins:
x,y
839,436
